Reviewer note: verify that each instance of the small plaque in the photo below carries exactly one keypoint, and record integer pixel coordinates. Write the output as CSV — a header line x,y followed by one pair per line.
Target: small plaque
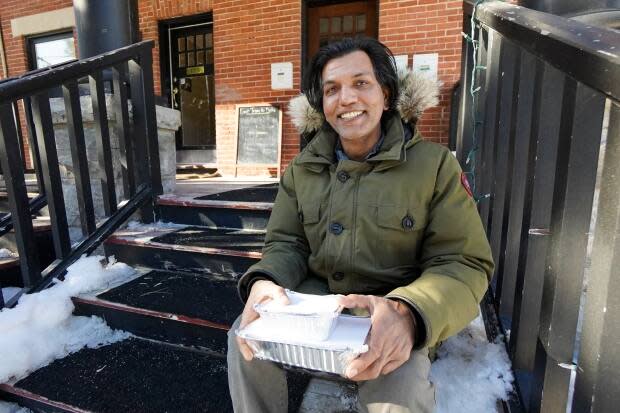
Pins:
x,y
195,70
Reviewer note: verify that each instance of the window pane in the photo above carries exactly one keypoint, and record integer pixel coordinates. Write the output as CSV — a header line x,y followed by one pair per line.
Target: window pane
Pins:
x,y
209,60
336,24
181,59
360,24
324,25
200,41
54,51
191,59
209,40
181,44
190,42
200,57
347,24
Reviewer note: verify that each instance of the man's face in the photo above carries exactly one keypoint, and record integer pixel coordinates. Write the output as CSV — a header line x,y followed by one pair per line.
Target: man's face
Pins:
x,y
353,100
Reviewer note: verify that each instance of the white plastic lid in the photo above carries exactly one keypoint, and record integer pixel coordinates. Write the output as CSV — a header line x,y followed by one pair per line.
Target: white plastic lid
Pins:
x,y
302,304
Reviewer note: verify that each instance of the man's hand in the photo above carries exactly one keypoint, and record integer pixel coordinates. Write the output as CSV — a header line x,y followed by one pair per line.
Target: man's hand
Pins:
x,y
391,336
262,290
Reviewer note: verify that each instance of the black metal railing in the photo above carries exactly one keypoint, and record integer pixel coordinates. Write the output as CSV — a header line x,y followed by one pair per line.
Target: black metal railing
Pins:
x,y
548,115
131,69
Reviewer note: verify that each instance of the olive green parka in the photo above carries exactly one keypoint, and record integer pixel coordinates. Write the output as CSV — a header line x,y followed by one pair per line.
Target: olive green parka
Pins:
x,y
401,225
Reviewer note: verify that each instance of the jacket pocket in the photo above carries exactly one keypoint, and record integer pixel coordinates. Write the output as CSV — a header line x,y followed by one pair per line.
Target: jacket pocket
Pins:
x,y
310,217
399,235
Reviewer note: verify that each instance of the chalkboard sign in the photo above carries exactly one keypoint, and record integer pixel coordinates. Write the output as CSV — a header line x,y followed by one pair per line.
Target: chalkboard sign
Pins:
x,y
258,135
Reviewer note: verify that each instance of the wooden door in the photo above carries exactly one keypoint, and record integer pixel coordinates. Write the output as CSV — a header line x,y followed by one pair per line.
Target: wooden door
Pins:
x,y
327,24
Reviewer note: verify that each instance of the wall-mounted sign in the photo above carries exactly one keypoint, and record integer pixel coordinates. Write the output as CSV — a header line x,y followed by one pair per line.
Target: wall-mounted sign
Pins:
x,y
426,64
281,76
402,61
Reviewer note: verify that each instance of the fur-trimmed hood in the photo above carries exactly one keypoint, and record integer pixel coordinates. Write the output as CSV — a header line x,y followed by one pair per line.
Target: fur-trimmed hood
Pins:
x,y
417,93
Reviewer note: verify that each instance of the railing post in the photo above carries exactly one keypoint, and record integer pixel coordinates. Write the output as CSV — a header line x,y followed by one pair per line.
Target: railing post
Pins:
x,y
13,171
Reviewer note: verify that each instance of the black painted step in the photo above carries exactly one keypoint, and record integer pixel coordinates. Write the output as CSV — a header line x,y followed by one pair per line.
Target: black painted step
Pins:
x,y
259,193
221,257
133,375
181,308
192,210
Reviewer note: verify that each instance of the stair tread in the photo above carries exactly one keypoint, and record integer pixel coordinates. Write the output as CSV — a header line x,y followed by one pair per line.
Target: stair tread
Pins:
x,y
259,193
213,298
145,377
232,239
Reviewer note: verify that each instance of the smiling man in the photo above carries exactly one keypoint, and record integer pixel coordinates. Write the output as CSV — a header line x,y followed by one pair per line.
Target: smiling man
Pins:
x,y
370,210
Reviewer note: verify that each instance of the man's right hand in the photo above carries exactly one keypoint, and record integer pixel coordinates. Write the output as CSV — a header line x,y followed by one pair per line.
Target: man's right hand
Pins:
x,y
262,290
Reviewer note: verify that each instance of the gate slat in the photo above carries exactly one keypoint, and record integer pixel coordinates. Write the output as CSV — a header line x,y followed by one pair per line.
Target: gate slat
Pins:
x,y
491,109
598,381
77,143
13,172
511,228
46,141
509,62
102,136
578,149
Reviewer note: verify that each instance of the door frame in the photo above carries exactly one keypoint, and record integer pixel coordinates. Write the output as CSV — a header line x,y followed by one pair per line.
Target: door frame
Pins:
x,y
165,27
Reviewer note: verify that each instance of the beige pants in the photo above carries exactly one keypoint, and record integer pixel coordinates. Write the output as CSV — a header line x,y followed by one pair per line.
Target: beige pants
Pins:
x,y
260,386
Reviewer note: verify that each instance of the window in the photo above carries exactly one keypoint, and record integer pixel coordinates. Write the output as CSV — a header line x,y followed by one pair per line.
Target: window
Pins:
x,y
50,50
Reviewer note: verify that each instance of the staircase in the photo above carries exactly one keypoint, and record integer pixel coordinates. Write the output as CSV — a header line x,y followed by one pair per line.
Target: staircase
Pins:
x,y
179,310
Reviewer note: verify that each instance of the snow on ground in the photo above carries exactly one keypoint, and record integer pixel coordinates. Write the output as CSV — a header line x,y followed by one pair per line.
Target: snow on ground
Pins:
x,y
6,407
9,292
140,227
471,374
41,328
6,253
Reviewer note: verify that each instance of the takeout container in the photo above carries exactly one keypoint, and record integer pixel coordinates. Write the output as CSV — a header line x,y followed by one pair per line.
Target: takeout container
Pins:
x,y
346,341
306,317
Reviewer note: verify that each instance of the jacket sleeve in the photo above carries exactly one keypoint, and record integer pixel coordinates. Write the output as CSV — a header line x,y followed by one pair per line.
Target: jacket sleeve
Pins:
x,y
286,251
455,259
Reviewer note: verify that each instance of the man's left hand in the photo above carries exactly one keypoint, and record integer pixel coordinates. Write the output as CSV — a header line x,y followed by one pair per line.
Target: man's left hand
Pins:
x,y
391,336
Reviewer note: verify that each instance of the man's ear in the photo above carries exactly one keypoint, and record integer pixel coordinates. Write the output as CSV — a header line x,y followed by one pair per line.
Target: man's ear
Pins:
x,y
386,98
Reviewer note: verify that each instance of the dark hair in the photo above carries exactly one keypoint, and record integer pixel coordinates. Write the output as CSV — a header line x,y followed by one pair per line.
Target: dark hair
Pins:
x,y
382,61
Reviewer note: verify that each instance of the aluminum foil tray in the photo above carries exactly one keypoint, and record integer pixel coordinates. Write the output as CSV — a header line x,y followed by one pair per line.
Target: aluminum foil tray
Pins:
x,y
307,317
333,355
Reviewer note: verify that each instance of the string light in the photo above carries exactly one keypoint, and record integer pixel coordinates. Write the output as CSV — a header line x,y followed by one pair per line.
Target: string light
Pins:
x,y
473,92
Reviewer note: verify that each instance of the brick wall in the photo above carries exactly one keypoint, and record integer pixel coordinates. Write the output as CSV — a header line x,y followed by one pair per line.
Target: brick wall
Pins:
x,y
427,26
247,39
15,47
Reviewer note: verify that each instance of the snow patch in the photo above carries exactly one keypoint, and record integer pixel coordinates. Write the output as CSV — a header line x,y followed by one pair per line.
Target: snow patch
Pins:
x,y
471,374
9,292
6,407
140,227
41,328
6,253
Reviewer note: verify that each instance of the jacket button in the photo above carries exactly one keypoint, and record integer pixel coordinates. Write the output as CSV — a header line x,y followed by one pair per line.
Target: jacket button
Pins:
x,y
408,222
343,176
335,228
339,276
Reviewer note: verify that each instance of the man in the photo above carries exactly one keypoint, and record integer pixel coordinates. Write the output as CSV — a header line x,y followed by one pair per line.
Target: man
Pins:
x,y
371,210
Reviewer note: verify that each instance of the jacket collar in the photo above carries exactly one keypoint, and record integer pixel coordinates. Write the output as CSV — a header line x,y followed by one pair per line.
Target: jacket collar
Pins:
x,y
319,153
